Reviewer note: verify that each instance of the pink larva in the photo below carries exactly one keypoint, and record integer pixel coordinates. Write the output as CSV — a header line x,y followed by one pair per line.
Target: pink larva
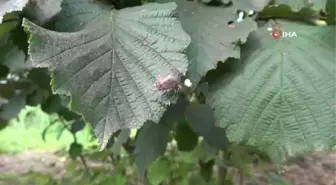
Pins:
x,y
167,83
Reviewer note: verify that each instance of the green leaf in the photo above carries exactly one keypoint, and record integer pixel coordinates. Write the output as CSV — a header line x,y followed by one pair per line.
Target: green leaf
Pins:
x,y
13,107
110,66
239,157
35,98
20,38
42,11
77,14
152,139
247,5
3,71
202,121
281,99
7,90
209,151
175,112
67,114
40,77
11,6
117,179
196,179
3,124
297,5
75,150
158,171
198,153
212,39
4,38
284,10
330,8
77,125
52,104
120,140
151,142
12,57
10,21
185,137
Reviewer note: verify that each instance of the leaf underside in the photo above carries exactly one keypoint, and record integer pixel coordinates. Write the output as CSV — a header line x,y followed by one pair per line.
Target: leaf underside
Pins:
x,y
109,66
282,100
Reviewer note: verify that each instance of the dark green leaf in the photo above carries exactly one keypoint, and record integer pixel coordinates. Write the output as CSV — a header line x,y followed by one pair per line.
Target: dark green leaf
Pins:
x,y
20,39
40,77
10,21
209,151
330,8
7,90
13,107
67,114
13,58
202,121
34,98
75,150
3,124
150,143
120,140
175,112
193,156
66,100
77,125
4,70
52,104
158,171
185,137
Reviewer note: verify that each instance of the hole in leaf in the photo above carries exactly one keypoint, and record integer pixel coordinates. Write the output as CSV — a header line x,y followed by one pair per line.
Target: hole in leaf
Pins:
x,y
231,24
251,13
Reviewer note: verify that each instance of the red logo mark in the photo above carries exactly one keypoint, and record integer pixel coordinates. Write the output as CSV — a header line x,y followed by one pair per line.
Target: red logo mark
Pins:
x,y
276,33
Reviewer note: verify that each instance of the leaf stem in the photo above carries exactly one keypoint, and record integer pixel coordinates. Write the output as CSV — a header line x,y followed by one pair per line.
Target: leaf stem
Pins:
x,y
88,170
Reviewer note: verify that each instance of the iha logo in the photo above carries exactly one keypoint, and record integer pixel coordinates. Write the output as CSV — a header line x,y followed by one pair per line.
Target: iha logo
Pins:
x,y
277,33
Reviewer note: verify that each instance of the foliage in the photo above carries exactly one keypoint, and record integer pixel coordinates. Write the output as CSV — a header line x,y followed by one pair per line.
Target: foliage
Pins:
x,y
240,83
30,124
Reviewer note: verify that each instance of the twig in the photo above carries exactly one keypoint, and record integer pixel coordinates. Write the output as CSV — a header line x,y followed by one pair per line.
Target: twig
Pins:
x,y
88,170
